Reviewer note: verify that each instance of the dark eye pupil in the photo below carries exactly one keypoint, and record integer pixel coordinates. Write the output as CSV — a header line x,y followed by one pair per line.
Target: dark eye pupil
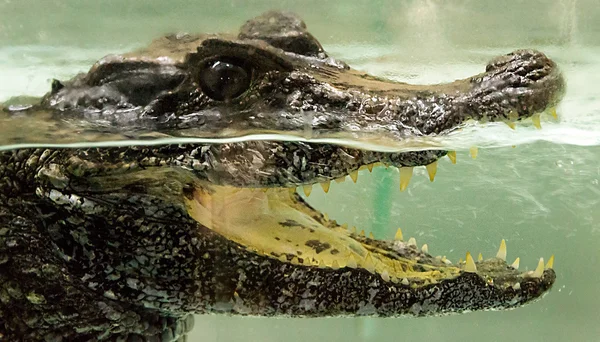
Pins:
x,y
222,80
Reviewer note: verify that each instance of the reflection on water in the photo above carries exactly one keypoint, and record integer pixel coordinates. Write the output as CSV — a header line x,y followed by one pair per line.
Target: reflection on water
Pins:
x,y
577,123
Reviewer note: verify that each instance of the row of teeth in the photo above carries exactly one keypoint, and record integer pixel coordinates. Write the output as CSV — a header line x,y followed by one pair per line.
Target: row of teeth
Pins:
x,y
535,119
407,172
468,264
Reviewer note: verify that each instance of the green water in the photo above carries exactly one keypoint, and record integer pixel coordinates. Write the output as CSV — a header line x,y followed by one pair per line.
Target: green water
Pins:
x,y
542,196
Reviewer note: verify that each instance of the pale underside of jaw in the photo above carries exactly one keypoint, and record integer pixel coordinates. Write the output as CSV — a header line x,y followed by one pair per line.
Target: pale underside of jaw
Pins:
x,y
275,223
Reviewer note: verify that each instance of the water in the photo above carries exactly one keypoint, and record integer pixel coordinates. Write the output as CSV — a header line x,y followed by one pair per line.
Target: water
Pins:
x,y
542,196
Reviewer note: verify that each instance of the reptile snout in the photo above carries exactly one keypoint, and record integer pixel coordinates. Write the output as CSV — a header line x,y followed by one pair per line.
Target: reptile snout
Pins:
x,y
523,67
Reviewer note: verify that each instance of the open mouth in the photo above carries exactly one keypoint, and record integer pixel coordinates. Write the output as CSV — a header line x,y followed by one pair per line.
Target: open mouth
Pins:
x,y
277,224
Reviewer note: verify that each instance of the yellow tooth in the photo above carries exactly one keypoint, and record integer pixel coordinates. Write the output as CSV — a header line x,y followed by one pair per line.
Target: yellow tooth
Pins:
x,y
513,116
404,282
535,118
550,263
354,231
516,286
362,233
325,217
473,152
295,261
432,170
282,258
452,156
510,124
371,236
307,189
539,270
354,175
292,191
425,248
470,264
553,112
412,242
398,236
321,264
480,257
325,186
405,175
341,179
385,276
351,262
335,265
515,264
502,251
370,167
368,263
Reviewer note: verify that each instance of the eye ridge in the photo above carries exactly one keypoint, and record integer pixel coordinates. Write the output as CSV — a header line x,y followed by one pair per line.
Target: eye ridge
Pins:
x,y
225,78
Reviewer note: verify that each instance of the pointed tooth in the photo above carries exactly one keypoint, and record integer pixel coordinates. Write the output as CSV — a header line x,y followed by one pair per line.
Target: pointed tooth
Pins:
x,y
354,231
283,258
335,265
513,116
470,264
539,270
404,282
452,156
371,236
515,264
295,261
510,124
325,186
398,236
432,170
354,175
292,191
341,179
480,257
351,262
362,233
412,242
553,112
344,225
321,264
325,217
550,263
370,167
307,189
473,151
405,176
368,263
425,249
502,251
385,276
516,286
535,118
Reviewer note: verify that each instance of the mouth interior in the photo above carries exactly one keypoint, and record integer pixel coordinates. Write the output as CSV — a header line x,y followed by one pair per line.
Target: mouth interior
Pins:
x,y
277,223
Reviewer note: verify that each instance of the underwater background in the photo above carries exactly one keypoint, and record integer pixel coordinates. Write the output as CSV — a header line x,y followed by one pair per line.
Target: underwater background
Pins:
x,y
542,195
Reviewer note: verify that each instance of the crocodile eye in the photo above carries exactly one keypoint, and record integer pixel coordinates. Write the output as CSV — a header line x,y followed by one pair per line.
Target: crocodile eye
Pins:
x,y
224,80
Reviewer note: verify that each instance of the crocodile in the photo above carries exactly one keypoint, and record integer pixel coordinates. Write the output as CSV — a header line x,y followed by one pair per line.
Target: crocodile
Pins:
x,y
126,243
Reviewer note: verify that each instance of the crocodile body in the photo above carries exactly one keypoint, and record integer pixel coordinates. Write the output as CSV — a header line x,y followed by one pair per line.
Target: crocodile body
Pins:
x,y
126,243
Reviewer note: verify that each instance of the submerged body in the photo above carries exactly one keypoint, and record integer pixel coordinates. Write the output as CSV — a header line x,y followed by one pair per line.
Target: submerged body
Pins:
x,y
127,242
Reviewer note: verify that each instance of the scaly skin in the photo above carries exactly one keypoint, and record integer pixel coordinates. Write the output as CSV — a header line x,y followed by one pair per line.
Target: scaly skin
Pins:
x,y
124,243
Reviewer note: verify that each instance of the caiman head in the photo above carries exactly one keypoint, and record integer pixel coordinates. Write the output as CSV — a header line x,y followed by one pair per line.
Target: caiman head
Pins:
x,y
220,227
